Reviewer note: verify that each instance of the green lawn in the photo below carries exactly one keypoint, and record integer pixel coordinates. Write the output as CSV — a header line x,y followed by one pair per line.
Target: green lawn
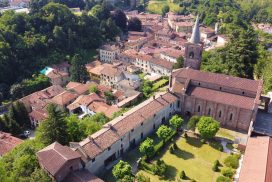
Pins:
x,y
156,6
195,158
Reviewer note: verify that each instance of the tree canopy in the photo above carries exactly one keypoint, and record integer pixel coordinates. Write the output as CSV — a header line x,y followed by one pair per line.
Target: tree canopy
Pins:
x,y
176,121
147,147
207,127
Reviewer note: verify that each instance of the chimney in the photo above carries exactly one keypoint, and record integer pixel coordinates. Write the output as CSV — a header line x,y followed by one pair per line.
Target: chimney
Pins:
x,y
154,97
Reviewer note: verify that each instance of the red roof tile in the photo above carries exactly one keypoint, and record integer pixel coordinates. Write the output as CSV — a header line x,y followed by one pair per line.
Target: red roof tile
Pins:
x,y
222,97
54,156
8,142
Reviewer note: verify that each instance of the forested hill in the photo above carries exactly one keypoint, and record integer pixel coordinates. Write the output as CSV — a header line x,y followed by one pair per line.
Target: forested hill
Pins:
x,y
47,35
245,54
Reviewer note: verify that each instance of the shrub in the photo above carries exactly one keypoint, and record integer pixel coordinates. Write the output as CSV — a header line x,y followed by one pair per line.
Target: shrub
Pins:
x,y
142,178
223,179
193,122
185,135
175,145
232,161
203,141
182,175
215,166
228,172
160,168
171,149
220,148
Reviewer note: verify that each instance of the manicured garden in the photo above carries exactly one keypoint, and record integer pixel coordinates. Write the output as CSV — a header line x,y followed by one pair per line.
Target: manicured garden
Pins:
x,y
172,155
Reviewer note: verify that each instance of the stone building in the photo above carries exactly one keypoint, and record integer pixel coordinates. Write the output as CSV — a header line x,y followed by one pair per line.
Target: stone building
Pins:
x,y
102,148
231,100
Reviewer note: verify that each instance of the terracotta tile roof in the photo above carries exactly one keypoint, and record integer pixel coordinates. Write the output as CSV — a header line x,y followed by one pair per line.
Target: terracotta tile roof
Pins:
x,y
79,88
60,66
173,53
144,57
222,97
110,70
162,63
84,100
39,99
38,115
8,142
93,64
114,130
64,98
256,160
81,176
102,107
55,156
218,79
109,47
96,70
56,74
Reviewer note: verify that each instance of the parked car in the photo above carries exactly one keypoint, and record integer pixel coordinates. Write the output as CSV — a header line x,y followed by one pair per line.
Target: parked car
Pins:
x,y
27,133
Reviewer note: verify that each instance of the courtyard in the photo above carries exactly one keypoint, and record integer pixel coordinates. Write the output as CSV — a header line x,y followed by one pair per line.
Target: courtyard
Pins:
x,y
191,156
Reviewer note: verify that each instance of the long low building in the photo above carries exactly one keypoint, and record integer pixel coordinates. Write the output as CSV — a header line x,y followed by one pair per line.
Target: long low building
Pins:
x,y
123,133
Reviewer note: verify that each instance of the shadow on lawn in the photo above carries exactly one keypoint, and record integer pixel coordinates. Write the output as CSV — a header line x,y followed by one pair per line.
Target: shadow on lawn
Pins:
x,y
171,174
183,154
193,141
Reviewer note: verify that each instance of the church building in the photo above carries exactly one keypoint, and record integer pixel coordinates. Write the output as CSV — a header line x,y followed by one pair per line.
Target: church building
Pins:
x,y
230,100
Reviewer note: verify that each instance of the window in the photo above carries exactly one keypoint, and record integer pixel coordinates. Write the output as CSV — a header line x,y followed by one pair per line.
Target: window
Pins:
x,y
178,103
231,115
109,148
220,113
191,55
93,159
154,127
243,93
132,130
121,139
142,124
198,83
198,109
209,112
154,115
142,135
171,105
220,88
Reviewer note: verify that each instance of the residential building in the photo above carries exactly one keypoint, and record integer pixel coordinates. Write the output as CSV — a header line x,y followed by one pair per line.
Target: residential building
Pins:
x,y
58,77
8,142
111,75
79,88
123,133
161,66
63,99
230,100
108,53
58,160
257,160
171,55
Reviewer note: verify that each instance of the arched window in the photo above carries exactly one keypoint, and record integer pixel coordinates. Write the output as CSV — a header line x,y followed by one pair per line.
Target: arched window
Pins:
x,y
220,113
198,109
191,55
209,112
231,115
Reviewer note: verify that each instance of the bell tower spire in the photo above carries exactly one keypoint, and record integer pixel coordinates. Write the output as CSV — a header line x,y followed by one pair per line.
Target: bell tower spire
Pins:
x,y
193,48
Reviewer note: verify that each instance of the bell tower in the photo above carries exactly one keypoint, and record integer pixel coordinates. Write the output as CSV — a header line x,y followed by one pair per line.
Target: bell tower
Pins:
x,y
193,49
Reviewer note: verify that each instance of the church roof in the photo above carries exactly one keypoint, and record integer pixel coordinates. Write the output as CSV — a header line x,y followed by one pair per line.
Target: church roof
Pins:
x,y
195,39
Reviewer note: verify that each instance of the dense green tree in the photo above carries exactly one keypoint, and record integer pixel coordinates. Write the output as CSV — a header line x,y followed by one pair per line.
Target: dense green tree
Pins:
x,y
207,127
176,121
54,127
146,88
147,147
121,169
78,70
93,89
179,63
165,9
73,128
120,19
39,175
191,125
22,115
164,132
134,24
109,96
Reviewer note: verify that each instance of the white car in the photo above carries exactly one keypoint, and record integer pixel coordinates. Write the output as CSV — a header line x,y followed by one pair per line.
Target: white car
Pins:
x,y
27,133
